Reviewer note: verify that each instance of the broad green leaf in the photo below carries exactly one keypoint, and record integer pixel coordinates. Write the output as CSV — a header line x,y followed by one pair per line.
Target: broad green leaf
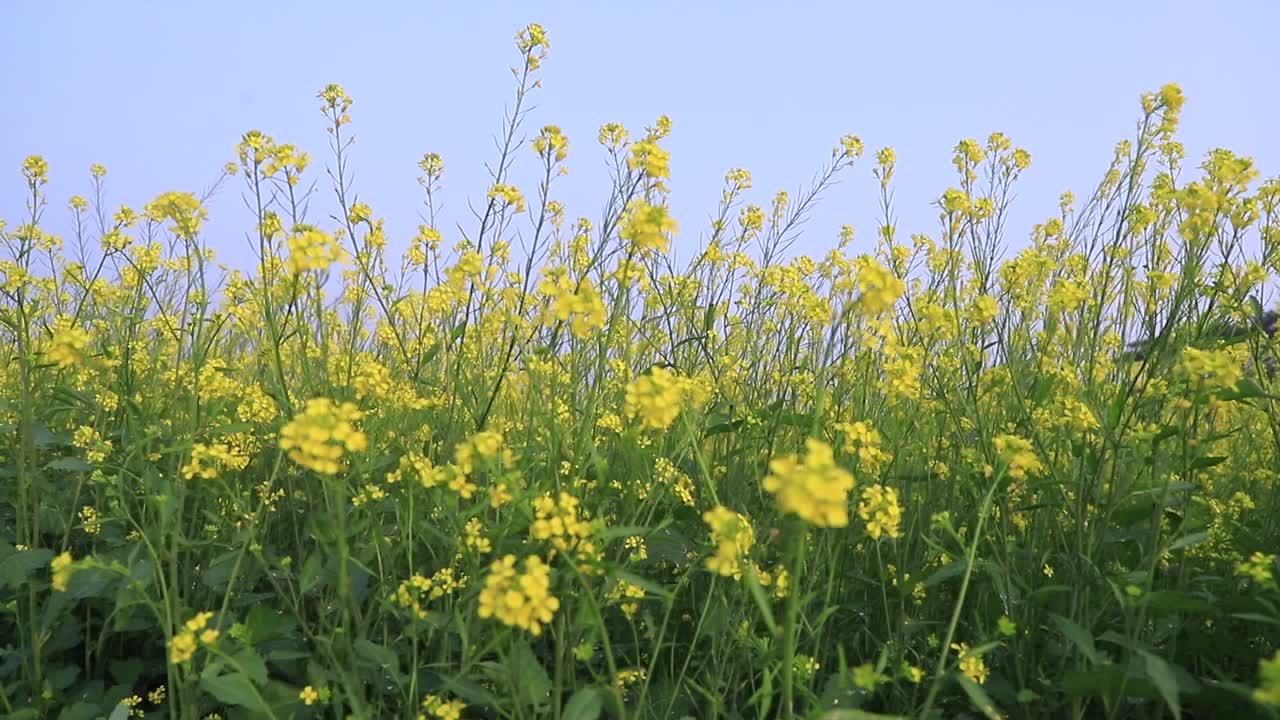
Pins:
x,y
530,677
18,567
1174,601
1162,676
586,704
234,689
381,657
1078,636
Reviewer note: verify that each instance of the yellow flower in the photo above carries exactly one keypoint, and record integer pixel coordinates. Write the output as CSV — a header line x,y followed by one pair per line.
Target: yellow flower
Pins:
x,y
35,170
1209,370
879,508
183,209
647,226
557,520
879,287
311,249
182,647
62,569
815,488
521,600
733,537
1017,454
309,695
970,665
508,195
658,396
1259,568
67,344
317,438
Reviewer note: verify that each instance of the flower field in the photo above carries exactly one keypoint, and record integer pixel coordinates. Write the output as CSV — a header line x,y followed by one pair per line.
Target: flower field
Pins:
x,y
535,467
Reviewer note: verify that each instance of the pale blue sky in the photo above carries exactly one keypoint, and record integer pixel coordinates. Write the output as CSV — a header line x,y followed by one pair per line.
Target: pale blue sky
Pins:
x,y
160,93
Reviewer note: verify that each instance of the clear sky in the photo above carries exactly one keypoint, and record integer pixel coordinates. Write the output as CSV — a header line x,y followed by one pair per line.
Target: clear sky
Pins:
x,y
160,92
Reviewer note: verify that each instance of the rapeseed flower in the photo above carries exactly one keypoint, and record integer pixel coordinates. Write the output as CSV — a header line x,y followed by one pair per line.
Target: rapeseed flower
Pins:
x,y
319,437
812,486
521,599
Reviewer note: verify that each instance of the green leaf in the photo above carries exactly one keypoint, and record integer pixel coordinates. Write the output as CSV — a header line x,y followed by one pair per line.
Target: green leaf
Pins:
x,y
265,623
310,577
1188,540
384,658
586,704
18,568
121,712
251,663
947,572
80,711
1207,461
1078,636
530,677
1162,676
472,692
1174,601
69,464
762,602
234,689
979,698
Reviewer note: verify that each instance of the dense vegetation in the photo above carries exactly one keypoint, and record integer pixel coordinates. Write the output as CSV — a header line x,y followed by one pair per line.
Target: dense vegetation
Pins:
x,y
543,470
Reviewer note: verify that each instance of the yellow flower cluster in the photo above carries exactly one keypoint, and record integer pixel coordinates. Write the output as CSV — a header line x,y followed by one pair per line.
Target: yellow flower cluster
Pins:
x,y
552,144
484,445
61,569
67,344
558,520
971,665
95,448
863,440
311,249
194,634
657,397
1259,567
435,707
318,438
508,195
815,488
207,460
474,537
733,537
581,306
879,288
880,510
336,102
412,592
533,44
647,156
519,599
1017,454
181,208
1209,370
35,170
646,227
679,482
625,593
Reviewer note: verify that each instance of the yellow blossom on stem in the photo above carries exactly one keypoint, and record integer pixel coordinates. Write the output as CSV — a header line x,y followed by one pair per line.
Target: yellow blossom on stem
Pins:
x,y
813,487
